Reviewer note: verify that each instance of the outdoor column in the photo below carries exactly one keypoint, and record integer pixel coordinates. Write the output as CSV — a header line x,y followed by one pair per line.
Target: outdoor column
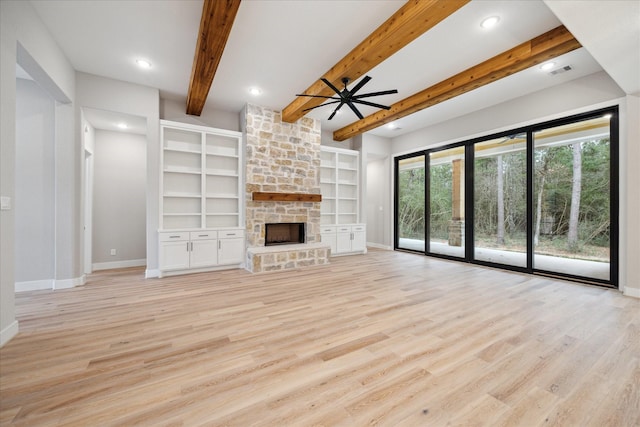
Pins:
x,y
456,226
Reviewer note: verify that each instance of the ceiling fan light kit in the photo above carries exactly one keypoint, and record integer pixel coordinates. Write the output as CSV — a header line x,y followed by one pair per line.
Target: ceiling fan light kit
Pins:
x,y
349,97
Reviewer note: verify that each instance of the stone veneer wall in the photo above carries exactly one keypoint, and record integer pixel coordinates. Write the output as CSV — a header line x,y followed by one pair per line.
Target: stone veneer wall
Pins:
x,y
283,158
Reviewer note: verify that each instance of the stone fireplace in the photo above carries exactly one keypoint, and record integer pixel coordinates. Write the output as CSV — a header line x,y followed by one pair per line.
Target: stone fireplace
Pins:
x,y
282,159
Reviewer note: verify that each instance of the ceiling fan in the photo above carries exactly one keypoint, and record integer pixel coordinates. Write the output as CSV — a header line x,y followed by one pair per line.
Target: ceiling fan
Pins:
x,y
349,97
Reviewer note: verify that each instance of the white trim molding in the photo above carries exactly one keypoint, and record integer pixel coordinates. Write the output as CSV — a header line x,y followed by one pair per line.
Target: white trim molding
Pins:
x,y
34,285
119,264
631,292
151,274
379,246
70,283
9,332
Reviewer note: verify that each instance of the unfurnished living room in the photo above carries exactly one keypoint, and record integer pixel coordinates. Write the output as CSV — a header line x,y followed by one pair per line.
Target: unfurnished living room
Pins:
x,y
319,212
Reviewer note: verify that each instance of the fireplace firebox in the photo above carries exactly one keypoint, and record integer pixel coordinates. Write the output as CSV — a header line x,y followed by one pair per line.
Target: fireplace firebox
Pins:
x,y
284,233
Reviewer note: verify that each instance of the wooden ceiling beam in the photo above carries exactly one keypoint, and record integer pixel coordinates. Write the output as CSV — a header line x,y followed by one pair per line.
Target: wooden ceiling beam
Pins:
x,y
412,20
535,51
215,27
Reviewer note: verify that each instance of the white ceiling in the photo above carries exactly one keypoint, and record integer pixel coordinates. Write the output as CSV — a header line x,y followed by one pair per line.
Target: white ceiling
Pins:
x,y
283,46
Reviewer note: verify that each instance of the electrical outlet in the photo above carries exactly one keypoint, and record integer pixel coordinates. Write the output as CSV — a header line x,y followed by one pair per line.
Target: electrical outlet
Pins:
x,y
5,203
113,252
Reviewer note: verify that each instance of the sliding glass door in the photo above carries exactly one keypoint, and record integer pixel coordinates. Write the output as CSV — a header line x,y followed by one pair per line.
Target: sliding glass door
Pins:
x,y
410,206
541,199
572,199
446,202
500,200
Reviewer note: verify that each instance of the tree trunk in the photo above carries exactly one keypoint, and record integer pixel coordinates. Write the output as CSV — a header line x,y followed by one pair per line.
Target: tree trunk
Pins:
x,y
500,239
536,234
574,213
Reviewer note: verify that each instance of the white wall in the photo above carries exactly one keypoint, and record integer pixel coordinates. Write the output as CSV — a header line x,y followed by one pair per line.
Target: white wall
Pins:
x,y
34,187
630,196
327,139
173,110
23,37
377,191
119,200
581,95
377,199
128,98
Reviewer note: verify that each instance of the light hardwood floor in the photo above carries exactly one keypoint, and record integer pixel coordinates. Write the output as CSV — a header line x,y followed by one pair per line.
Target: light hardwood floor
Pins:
x,y
386,338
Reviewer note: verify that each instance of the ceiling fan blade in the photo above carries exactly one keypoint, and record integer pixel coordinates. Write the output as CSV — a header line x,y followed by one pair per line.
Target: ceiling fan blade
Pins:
x,y
384,92
336,110
371,104
316,96
328,83
321,105
355,110
361,83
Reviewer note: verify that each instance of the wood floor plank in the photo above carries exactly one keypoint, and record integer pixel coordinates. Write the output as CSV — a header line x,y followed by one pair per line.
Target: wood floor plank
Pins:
x,y
387,338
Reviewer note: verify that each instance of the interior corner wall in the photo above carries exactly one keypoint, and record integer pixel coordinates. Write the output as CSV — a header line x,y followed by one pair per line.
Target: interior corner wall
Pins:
x,y
173,110
35,187
327,140
630,197
377,201
22,30
129,98
119,201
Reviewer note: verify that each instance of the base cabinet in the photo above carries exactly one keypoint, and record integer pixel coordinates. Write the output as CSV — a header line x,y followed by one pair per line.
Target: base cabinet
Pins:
x,y
191,251
345,239
230,247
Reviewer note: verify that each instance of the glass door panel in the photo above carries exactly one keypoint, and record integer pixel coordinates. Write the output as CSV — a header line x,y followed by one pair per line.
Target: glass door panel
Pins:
x,y
572,199
410,198
500,200
446,202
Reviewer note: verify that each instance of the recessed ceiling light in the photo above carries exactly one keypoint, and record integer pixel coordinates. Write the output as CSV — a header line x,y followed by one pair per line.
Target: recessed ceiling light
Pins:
x,y
391,125
122,125
143,63
490,22
547,66
255,91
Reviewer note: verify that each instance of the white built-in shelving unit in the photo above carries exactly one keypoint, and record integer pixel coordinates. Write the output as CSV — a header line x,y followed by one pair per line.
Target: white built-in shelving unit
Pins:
x,y
339,211
200,189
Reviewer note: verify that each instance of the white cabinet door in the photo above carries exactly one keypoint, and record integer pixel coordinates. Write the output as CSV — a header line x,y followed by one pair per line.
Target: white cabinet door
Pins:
x,y
359,242
204,253
174,255
231,251
332,240
343,242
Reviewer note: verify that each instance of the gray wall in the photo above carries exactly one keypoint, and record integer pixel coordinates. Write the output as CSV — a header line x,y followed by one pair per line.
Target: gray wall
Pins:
x,y
128,98
119,207
25,40
377,200
173,110
35,189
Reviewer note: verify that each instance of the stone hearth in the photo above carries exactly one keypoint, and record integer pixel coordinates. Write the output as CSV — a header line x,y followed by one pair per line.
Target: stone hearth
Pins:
x,y
282,158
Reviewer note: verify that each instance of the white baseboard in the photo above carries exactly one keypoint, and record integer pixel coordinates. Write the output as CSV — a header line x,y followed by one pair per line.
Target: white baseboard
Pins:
x,y
9,332
632,292
34,285
70,283
379,246
150,274
119,264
